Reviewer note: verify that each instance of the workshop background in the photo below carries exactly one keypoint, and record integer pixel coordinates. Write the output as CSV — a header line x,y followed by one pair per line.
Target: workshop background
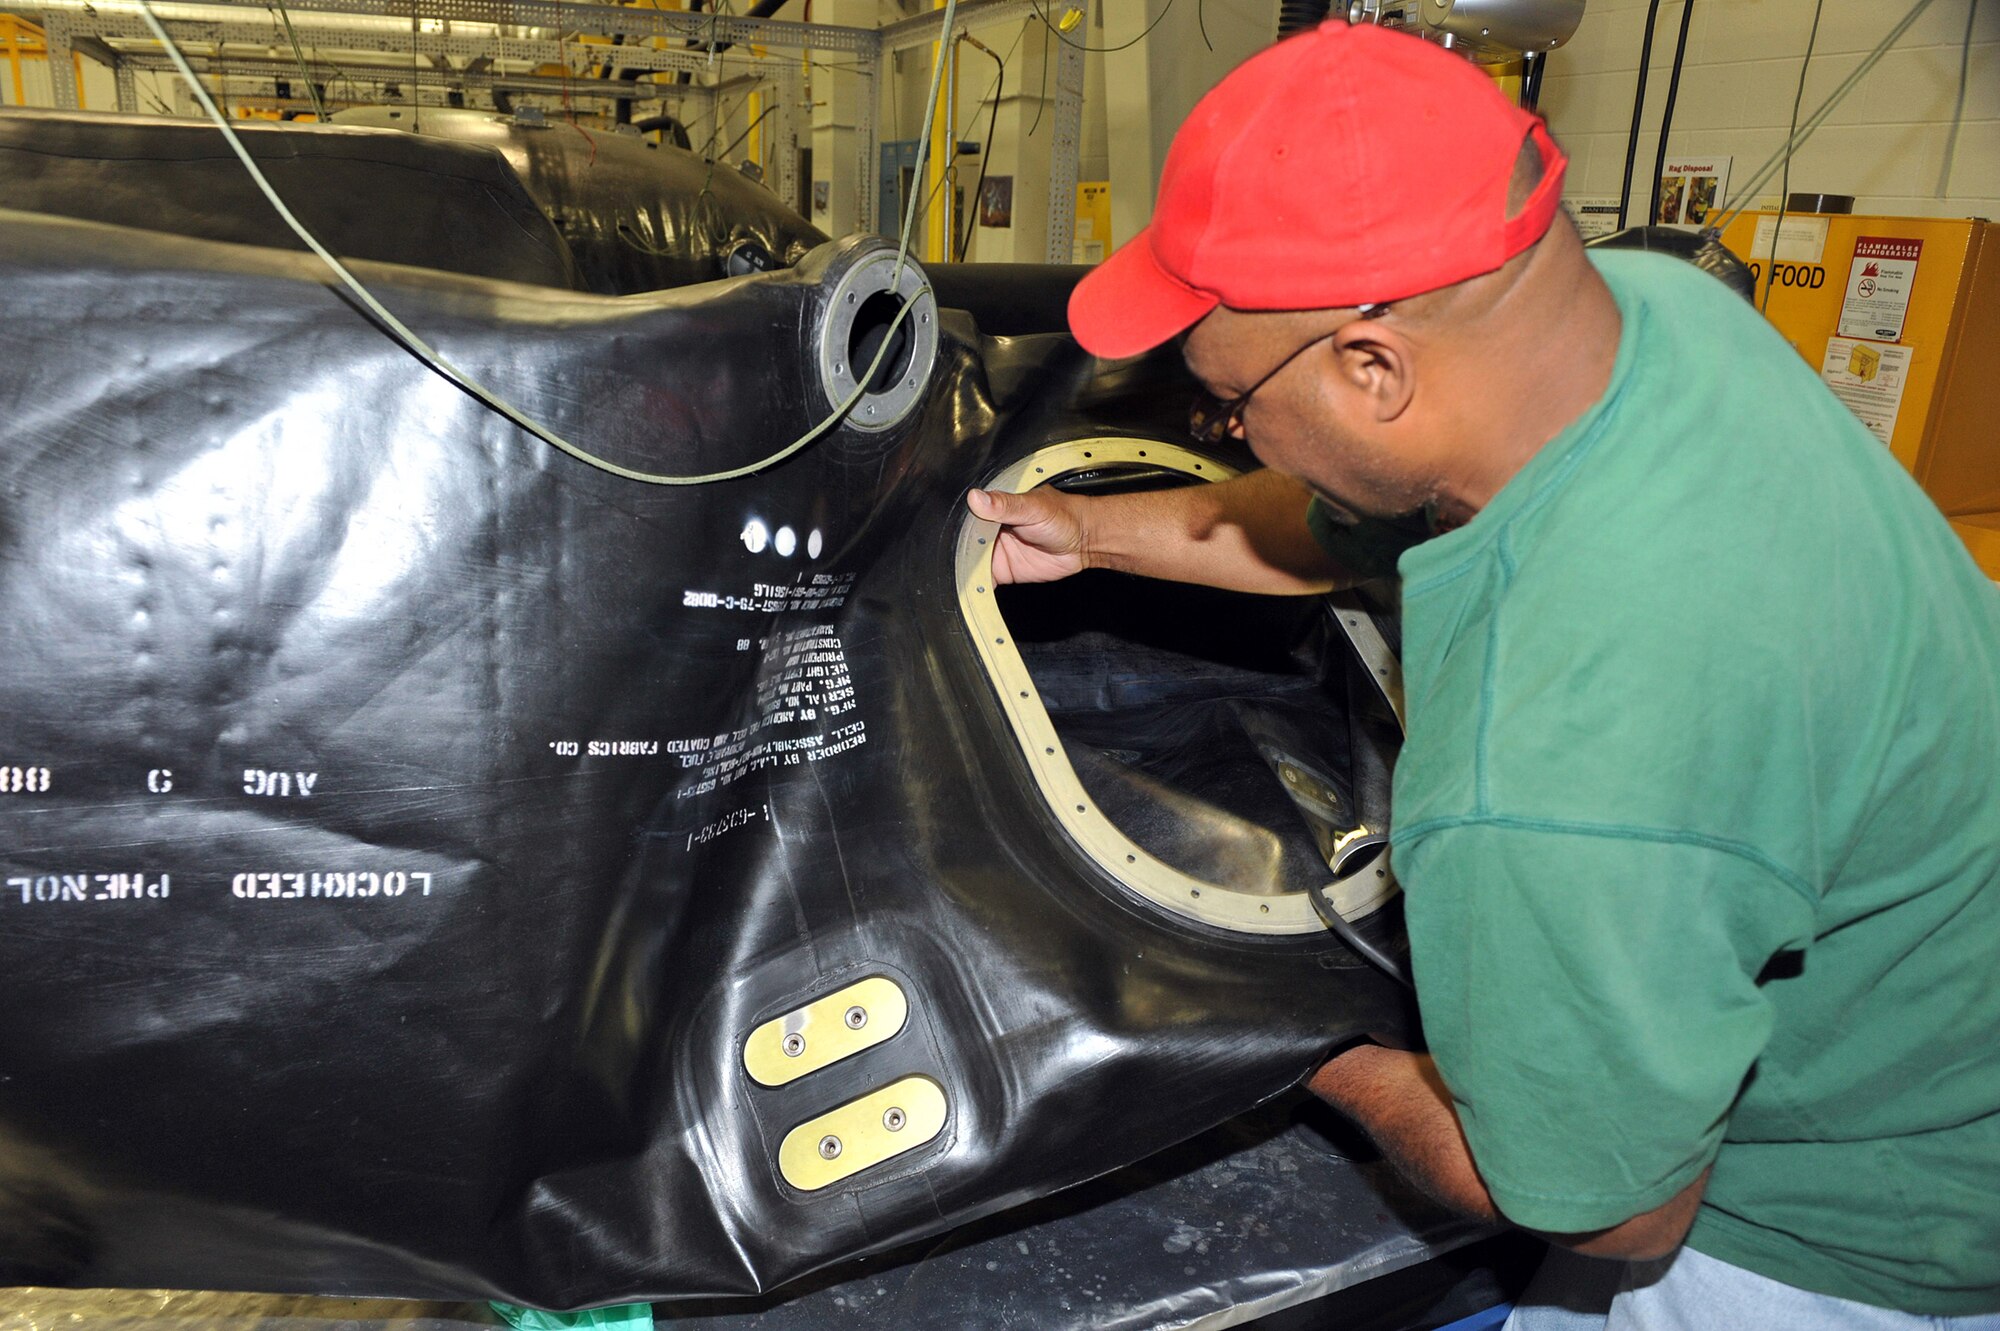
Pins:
x,y
1919,136
1059,116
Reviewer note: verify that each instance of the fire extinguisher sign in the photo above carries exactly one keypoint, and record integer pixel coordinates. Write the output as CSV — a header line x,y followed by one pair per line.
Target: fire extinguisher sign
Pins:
x,y
1878,288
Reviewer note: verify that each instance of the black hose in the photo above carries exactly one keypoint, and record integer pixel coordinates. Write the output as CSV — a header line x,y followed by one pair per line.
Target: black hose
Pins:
x,y
986,153
746,132
1372,738
675,131
693,7
1354,939
1638,110
621,112
762,9
1533,65
1295,16
1008,299
1667,115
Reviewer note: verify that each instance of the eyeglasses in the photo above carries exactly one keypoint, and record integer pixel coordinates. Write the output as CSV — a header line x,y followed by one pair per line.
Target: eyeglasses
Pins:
x,y
1212,420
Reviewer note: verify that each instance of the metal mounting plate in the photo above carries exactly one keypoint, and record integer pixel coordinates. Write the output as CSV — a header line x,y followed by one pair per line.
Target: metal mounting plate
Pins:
x,y
825,1031
862,1133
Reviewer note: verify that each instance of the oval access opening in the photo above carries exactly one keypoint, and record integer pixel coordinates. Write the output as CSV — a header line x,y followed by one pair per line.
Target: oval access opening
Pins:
x,y
1211,750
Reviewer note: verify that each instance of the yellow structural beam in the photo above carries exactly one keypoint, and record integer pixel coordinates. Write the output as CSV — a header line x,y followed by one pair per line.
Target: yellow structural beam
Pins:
x,y
937,171
21,40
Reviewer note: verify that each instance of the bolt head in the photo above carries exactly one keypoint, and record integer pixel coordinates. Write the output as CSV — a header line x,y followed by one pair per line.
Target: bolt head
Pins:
x,y
857,1017
795,1044
829,1147
894,1119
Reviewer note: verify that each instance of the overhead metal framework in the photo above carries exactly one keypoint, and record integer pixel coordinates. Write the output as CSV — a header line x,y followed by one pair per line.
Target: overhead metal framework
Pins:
x,y
453,45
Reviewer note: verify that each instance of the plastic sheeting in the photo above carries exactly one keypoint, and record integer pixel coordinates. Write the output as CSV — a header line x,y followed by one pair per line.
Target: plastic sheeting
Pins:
x,y
638,215
405,825
472,192
368,194
1281,1208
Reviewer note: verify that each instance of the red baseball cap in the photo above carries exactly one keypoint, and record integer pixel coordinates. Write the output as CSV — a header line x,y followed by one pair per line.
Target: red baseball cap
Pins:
x,y
1349,165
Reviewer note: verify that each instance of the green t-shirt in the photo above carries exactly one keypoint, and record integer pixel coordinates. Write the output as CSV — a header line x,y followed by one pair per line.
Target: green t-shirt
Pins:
x,y
1699,823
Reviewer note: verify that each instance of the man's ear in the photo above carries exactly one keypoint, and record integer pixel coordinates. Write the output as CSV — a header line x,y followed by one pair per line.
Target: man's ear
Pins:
x,y
1376,360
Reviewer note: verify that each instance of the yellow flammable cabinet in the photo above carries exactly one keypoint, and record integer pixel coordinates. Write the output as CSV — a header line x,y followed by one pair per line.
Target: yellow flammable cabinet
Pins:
x,y
1901,317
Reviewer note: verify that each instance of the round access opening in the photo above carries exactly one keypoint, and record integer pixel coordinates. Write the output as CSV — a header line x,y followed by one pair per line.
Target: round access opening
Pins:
x,y
860,322
873,323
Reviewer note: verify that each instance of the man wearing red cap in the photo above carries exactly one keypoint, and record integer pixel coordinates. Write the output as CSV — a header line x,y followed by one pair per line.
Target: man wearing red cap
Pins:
x,y
1697,816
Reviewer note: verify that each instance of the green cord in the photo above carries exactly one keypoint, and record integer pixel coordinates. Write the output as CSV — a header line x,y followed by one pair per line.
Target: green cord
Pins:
x,y
430,356
924,138
312,91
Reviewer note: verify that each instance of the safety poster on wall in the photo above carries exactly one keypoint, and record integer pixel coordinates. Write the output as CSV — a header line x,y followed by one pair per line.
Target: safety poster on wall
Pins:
x,y
1869,378
1093,221
1878,287
1691,188
1595,215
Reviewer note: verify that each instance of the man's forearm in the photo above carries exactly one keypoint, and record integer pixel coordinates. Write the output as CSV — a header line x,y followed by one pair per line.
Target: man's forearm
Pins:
x,y
1405,1108
1248,534
1401,1101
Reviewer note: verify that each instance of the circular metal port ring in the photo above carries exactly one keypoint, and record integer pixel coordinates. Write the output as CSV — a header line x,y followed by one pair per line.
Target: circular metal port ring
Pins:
x,y
870,278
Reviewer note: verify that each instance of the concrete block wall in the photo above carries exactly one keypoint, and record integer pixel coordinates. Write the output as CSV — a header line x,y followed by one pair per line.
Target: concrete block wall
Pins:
x,y
1886,143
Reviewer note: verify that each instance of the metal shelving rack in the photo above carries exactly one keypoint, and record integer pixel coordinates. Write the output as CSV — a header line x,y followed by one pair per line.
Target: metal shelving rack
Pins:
x,y
458,42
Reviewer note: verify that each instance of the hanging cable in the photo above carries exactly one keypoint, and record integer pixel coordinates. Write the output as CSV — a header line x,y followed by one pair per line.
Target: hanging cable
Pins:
x,y
1785,185
1041,87
1667,113
986,153
746,130
1063,37
402,333
1534,65
562,57
924,141
416,72
1638,112
312,91
1958,106
1748,191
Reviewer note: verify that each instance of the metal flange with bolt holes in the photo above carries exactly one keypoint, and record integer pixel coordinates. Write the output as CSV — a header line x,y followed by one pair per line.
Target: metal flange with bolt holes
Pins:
x,y
1235,907
872,276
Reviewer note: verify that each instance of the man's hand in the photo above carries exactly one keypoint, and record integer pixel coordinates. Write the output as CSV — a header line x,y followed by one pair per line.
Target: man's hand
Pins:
x,y
1248,534
1042,535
